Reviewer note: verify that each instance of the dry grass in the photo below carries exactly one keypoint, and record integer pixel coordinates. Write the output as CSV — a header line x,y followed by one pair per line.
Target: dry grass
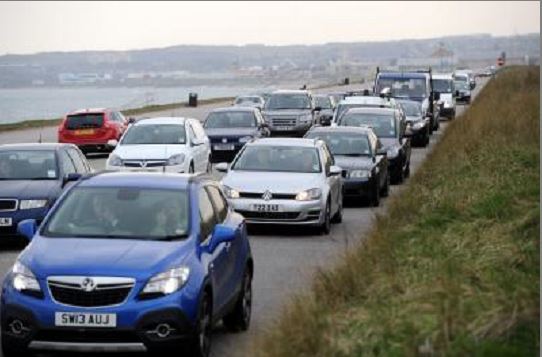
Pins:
x,y
453,267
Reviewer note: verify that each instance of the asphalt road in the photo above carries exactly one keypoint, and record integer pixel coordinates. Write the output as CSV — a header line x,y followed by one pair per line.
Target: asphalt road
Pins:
x,y
285,258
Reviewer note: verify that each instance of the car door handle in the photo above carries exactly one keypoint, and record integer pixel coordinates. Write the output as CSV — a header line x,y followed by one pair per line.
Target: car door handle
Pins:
x,y
227,246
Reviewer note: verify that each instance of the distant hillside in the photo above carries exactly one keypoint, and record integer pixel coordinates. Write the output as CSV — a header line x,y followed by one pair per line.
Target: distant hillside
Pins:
x,y
46,67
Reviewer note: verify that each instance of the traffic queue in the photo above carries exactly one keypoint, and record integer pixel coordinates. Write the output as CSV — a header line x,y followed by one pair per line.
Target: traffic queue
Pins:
x,y
150,254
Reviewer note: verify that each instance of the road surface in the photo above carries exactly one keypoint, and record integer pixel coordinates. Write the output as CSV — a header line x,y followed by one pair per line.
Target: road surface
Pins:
x,y
285,258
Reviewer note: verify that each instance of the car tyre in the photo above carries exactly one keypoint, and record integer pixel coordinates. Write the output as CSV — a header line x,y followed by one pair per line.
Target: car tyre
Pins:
x,y
209,169
386,189
407,170
200,344
239,318
375,196
191,168
325,228
338,217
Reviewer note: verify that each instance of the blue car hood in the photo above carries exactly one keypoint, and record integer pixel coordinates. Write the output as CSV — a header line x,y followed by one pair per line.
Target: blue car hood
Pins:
x,y
23,189
102,257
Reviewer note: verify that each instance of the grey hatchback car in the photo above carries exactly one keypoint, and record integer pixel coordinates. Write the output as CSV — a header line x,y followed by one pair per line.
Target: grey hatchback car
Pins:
x,y
285,181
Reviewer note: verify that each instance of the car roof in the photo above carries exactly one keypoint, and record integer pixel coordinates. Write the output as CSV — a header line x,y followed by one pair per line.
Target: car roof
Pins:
x,y
341,129
291,91
156,180
448,76
249,96
89,110
34,146
405,74
234,109
283,142
372,110
366,100
161,120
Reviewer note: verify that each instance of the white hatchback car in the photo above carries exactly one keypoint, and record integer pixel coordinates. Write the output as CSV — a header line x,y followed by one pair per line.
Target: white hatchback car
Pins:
x,y
163,145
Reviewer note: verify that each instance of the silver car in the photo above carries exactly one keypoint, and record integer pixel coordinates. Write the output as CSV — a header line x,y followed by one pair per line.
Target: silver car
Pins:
x,y
290,112
285,181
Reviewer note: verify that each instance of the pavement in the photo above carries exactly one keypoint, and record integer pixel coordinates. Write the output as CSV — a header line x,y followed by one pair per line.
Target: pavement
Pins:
x,y
286,258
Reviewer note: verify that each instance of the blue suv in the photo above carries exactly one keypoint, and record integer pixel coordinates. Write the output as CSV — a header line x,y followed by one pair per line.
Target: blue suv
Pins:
x,y
129,262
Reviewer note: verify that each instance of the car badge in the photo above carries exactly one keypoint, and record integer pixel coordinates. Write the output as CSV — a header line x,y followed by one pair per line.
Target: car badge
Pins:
x,y
143,164
267,195
224,140
88,285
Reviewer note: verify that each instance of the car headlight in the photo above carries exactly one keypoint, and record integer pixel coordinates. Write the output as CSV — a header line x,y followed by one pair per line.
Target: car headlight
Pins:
x,y
309,195
167,282
359,174
418,125
24,279
230,192
114,160
30,204
177,159
305,118
392,152
245,139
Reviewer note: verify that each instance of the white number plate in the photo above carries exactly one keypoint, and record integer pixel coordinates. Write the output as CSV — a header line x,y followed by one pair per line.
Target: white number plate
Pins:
x,y
258,207
5,222
224,147
284,128
85,319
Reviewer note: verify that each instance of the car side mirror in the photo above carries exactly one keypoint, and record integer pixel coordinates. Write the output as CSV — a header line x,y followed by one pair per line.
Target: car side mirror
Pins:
x,y
27,228
222,167
131,120
112,143
71,177
437,96
457,93
317,109
381,151
335,171
197,142
221,234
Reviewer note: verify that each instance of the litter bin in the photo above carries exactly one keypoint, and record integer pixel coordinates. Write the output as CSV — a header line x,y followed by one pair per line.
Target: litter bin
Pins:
x,y
193,99
346,81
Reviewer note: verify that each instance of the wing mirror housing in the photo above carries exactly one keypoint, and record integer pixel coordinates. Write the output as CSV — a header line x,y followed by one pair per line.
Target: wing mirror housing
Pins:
x,y
197,142
222,167
437,96
131,120
335,171
112,143
71,177
221,234
457,93
317,109
27,228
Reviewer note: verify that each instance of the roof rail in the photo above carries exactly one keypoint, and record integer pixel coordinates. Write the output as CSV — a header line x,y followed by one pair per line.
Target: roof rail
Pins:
x,y
403,70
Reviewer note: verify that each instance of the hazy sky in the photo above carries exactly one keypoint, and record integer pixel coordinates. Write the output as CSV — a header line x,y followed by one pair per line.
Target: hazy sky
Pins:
x,y
28,27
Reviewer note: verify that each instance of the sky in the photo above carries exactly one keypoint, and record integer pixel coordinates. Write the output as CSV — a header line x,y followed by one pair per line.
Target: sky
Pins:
x,y
30,27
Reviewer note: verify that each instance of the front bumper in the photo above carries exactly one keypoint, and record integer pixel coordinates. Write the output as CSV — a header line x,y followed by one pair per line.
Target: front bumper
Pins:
x,y
137,322
357,187
19,215
298,129
225,155
290,212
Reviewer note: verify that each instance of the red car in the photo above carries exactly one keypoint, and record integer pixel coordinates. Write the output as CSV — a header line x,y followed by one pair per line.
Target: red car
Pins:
x,y
91,129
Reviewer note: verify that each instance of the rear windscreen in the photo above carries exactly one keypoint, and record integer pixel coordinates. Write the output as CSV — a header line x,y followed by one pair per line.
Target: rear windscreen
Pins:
x,y
83,121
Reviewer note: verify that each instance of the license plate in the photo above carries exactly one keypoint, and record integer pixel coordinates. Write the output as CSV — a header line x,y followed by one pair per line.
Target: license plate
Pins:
x,y
284,128
5,222
84,132
224,147
85,319
258,207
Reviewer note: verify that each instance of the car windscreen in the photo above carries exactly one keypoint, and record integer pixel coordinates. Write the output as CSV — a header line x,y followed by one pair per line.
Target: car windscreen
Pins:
x,y
403,87
28,165
84,121
288,101
252,100
158,134
412,109
278,159
231,119
443,85
461,85
121,212
382,124
341,143
323,102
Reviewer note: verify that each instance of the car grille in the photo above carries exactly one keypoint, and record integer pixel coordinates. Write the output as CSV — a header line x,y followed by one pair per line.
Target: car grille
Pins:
x,y
274,196
280,216
284,121
144,163
8,205
107,291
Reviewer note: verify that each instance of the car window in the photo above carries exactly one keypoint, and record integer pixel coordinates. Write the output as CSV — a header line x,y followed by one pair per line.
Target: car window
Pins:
x,y
79,166
207,215
28,165
278,159
83,160
67,163
221,207
231,119
152,134
328,160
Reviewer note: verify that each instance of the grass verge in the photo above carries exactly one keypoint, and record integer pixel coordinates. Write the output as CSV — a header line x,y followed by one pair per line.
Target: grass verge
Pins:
x,y
452,268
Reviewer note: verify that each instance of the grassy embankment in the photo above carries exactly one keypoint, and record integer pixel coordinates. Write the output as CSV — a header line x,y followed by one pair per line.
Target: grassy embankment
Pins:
x,y
453,267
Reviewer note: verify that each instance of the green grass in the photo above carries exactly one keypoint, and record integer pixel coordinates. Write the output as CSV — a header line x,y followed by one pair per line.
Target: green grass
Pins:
x,y
452,268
